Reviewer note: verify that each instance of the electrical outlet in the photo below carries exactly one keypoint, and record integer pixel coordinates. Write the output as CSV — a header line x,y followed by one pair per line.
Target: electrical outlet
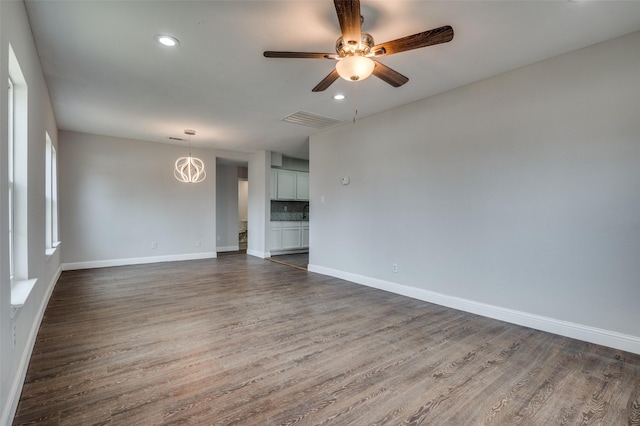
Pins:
x,y
13,332
198,243
154,245
395,267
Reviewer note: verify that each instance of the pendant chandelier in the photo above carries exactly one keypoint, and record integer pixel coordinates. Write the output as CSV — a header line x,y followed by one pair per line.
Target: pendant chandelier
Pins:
x,y
189,169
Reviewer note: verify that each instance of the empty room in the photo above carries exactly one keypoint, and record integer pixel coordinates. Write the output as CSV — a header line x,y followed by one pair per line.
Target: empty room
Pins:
x,y
319,212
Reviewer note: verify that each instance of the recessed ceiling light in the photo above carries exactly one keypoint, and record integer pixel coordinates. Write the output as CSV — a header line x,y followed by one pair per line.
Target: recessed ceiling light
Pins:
x,y
167,40
339,97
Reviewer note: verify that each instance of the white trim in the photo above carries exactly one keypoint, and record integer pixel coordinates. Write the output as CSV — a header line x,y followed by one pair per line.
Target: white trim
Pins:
x,y
228,248
50,252
18,381
260,254
136,261
586,333
20,291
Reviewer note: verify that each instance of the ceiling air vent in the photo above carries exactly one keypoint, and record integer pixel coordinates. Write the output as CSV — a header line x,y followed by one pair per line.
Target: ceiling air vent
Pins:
x,y
312,120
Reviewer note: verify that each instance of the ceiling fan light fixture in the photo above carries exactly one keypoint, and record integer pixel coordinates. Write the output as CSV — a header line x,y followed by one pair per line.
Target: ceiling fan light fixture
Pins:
x,y
355,68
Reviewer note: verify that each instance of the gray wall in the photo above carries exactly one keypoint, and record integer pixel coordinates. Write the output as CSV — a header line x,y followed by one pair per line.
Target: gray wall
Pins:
x,y
14,29
259,202
118,196
516,197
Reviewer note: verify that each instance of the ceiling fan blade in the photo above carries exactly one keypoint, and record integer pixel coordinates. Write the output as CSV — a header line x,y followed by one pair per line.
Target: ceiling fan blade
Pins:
x,y
308,55
415,41
389,75
327,81
349,17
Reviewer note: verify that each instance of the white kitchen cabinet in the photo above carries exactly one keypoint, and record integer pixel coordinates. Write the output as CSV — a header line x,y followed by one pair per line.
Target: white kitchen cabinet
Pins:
x,y
286,185
289,185
305,234
275,241
289,236
302,186
274,184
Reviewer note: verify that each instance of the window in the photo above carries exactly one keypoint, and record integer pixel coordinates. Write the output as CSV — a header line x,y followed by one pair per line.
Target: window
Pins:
x,y
11,177
17,171
17,155
51,196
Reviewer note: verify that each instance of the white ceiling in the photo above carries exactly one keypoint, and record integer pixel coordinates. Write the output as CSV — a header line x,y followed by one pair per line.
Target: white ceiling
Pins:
x,y
107,75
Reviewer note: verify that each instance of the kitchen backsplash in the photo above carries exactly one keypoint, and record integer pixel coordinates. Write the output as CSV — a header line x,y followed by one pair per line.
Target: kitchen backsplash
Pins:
x,y
289,210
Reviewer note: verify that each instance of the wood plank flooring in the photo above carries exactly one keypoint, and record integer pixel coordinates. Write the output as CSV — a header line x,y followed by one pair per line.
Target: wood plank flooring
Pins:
x,y
240,340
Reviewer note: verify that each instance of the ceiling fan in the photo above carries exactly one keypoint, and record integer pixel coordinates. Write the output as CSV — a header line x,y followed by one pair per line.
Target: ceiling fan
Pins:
x,y
356,51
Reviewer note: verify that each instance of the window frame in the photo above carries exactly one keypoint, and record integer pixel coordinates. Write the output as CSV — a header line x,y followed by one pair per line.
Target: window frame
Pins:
x,y
17,173
11,176
51,197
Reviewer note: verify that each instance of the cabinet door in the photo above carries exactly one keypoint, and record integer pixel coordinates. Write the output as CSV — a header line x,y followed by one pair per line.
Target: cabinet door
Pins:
x,y
286,185
274,184
291,238
302,186
275,241
305,236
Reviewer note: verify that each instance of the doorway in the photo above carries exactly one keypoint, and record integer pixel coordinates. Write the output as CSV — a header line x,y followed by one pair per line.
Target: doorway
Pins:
x,y
232,185
243,213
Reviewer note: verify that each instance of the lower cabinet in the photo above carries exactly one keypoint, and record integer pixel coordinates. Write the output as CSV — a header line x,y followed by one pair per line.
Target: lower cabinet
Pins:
x,y
275,242
287,235
291,237
305,234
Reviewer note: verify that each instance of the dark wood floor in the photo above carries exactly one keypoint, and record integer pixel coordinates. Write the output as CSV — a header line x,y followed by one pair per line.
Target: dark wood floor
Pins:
x,y
240,340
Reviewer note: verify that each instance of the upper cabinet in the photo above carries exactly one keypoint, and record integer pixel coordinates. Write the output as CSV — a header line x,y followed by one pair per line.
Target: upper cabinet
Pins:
x,y
289,185
302,186
274,184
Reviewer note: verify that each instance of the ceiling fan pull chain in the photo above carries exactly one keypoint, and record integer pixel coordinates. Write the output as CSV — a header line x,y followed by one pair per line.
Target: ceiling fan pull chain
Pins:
x,y
355,101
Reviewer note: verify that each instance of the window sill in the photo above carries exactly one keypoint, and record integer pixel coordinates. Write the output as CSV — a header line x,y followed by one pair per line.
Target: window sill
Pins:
x,y
51,251
20,291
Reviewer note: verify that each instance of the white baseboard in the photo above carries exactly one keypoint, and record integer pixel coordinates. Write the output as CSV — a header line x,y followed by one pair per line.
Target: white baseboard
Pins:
x,y
136,261
227,248
13,397
260,254
586,333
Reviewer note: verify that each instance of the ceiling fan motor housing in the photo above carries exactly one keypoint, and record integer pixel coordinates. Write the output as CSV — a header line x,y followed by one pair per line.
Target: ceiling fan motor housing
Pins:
x,y
363,48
